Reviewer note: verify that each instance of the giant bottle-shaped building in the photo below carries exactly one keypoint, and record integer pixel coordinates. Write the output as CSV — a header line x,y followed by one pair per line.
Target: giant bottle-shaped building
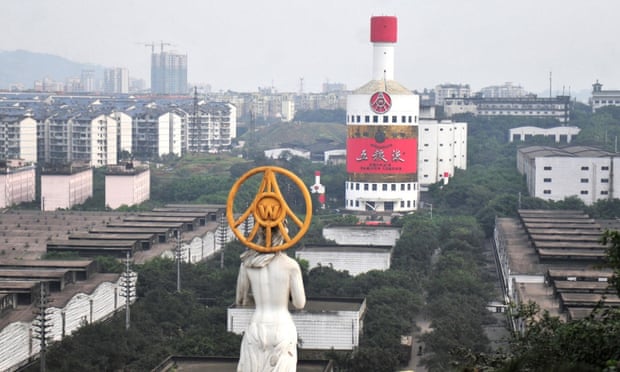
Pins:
x,y
382,134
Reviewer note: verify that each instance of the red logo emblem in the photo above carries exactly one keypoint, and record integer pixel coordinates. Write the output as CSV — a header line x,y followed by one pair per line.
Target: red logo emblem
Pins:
x,y
380,102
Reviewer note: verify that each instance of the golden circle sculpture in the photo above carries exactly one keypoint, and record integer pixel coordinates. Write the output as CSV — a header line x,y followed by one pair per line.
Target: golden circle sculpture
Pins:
x,y
269,210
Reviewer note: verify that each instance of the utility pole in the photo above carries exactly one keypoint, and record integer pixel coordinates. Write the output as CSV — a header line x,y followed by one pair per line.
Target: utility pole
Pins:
x,y
42,324
222,237
128,288
178,254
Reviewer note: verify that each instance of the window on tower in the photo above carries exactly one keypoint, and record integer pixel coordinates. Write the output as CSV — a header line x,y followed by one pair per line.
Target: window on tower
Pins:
x,y
367,119
386,119
375,119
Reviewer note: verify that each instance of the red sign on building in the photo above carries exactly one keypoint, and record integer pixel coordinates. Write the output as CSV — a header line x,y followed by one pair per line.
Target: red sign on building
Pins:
x,y
366,155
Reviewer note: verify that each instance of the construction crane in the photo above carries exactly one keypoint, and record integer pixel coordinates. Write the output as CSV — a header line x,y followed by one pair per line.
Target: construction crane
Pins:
x,y
154,44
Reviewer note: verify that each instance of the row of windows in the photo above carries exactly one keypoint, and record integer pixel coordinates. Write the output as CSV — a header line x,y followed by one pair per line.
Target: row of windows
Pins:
x,y
384,186
386,205
582,192
583,180
386,119
605,102
583,168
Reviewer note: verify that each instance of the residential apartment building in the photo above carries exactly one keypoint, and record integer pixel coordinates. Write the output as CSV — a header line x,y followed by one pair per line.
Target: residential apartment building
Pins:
x,y
116,80
444,91
601,98
169,73
69,136
18,137
508,90
556,173
211,127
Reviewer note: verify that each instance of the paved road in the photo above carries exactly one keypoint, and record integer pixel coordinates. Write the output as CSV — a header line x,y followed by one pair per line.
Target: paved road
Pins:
x,y
414,363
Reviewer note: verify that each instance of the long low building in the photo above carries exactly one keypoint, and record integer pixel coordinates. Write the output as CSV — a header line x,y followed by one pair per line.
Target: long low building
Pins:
x,y
354,259
323,324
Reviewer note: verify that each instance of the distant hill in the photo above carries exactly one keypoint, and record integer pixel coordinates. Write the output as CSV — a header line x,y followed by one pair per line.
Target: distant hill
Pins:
x,y
21,66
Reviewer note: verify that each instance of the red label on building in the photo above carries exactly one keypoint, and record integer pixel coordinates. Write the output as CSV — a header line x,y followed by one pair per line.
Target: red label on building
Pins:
x,y
366,155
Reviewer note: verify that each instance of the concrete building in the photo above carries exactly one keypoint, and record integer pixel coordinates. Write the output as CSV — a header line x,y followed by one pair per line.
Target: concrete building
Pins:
x,y
17,183
382,134
601,98
553,258
18,137
210,127
442,148
116,80
557,108
558,133
86,136
323,324
444,91
169,73
508,90
556,173
354,259
62,188
127,185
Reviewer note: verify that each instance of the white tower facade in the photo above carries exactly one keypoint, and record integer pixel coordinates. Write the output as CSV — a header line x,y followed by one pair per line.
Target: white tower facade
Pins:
x,y
382,134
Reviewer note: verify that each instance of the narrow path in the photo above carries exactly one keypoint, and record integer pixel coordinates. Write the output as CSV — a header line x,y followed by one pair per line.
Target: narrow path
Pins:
x,y
424,324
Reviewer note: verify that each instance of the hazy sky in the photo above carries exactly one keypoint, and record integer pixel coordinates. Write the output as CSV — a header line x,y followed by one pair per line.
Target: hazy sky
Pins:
x,y
244,44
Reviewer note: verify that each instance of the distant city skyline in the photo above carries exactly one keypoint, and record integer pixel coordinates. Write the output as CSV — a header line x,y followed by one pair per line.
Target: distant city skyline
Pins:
x,y
242,45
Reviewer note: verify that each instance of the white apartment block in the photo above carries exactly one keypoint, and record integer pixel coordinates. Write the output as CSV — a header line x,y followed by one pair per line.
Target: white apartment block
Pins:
x,y
444,91
116,80
581,171
170,133
17,184
18,137
124,131
103,136
126,185
508,90
64,188
82,137
442,147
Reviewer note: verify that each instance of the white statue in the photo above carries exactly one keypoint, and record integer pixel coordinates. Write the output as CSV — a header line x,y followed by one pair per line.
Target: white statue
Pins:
x,y
269,280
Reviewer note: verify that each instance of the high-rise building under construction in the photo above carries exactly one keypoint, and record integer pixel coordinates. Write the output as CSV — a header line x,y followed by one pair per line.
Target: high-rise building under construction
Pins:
x,y
168,73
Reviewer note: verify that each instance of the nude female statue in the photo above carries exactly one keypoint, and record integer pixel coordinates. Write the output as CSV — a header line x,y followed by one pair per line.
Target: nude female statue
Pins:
x,y
269,280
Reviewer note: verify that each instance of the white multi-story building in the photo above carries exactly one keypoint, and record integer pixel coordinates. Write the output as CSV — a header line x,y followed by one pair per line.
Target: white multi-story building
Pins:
x,y
382,134
64,188
116,80
170,127
601,98
124,131
556,173
18,137
127,185
17,183
84,137
442,147
508,90
444,91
